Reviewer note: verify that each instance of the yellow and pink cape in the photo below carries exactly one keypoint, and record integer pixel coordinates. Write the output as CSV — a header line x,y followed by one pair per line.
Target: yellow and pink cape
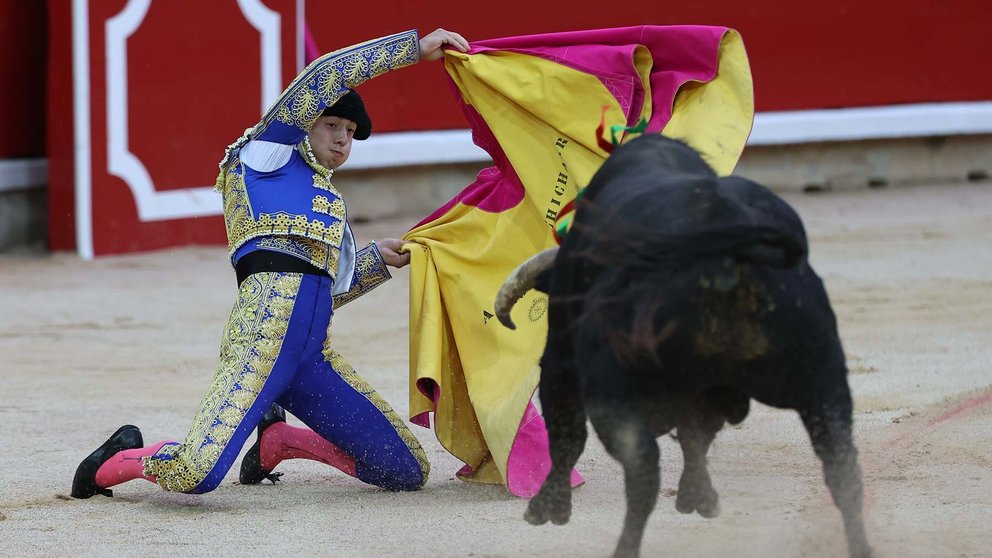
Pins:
x,y
534,104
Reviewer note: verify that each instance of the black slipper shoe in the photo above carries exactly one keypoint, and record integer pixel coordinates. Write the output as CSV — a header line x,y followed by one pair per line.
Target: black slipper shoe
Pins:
x,y
84,482
251,466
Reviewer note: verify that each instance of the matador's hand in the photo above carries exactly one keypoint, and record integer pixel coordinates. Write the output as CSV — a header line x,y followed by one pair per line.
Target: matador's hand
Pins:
x,y
430,45
390,250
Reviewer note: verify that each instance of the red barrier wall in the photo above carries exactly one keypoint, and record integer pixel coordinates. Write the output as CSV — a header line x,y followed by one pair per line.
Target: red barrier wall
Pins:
x,y
60,130
803,55
193,75
23,42
190,91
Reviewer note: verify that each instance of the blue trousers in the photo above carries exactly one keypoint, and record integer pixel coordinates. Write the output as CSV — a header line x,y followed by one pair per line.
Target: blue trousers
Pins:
x,y
276,348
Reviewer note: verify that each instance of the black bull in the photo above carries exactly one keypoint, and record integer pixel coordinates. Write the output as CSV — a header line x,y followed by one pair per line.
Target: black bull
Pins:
x,y
676,297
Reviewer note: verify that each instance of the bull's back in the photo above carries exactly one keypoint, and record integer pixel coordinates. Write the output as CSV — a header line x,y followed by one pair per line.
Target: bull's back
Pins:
x,y
672,245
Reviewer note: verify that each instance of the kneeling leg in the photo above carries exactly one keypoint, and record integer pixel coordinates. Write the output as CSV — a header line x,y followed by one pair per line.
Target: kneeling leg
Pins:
x,y
346,411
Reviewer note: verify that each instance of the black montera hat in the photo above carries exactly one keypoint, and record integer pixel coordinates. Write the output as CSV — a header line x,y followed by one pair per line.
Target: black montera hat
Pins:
x,y
350,106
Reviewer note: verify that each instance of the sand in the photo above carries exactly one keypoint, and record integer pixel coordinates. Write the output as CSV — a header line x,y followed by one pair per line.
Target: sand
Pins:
x,y
88,346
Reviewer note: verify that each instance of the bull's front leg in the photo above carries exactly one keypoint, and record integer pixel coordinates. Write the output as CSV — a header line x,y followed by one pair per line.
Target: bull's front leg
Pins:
x,y
828,422
625,435
565,417
696,432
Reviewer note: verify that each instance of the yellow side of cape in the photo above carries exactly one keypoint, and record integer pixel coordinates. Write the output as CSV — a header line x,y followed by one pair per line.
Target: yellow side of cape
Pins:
x,y
544,116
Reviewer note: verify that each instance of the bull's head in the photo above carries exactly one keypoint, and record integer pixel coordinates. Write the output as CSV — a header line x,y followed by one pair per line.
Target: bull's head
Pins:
x,y
521,280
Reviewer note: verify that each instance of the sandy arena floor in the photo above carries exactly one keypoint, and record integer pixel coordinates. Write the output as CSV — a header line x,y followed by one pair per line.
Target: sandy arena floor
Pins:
x,y
88,346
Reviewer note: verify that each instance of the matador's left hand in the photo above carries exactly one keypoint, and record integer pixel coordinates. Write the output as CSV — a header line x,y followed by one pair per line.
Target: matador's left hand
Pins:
x,y
390,250
430,45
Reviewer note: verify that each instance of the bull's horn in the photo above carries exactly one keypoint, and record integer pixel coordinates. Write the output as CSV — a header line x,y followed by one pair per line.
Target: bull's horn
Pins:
x,y
519,282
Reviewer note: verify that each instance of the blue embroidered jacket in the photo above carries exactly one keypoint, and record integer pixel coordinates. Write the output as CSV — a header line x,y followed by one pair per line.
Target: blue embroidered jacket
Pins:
x,y
295,209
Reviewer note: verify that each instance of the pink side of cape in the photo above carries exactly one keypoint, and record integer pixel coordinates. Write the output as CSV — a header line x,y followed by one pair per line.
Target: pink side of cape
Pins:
x,y
680,53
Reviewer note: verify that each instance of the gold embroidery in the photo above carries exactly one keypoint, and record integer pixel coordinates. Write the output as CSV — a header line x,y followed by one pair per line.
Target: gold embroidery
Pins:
x,y
283,224
324,81
252,340
306,150
319,254
328,82
305,108
323,183
356,69
321,205
348,374
380,61
237,210
370,272
223,164
338,209
325,206
324,257
406,52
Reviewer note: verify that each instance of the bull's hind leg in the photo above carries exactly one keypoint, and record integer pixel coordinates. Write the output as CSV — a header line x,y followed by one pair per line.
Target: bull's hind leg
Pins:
x,y
828,422
625,436
561,404
695,433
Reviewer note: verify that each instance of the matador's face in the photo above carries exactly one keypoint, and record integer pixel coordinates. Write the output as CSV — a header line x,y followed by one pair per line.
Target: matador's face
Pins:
x,y
330,139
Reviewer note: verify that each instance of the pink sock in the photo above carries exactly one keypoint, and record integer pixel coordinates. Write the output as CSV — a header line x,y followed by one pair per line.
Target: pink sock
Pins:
x,y
282,441
126,465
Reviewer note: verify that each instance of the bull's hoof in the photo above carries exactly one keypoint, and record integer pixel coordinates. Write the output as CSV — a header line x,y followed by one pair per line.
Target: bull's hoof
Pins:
x,y
542,509
709,510
706,503
562,518
627,552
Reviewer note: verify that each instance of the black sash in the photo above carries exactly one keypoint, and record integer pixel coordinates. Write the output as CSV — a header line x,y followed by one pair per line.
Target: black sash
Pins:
x,y
264,260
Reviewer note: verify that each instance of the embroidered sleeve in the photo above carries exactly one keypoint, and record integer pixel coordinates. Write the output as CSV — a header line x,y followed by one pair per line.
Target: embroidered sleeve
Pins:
x,y
320,85
370,272
327,78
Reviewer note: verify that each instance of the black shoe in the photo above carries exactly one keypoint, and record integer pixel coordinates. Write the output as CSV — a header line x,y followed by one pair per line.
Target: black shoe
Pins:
x,y
251,466
84,483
